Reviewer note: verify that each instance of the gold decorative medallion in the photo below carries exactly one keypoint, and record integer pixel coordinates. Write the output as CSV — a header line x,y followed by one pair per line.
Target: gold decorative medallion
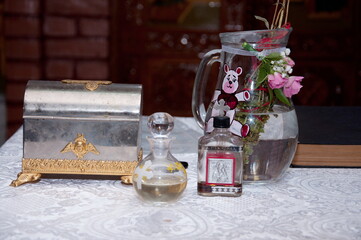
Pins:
x,y
89,84
80,147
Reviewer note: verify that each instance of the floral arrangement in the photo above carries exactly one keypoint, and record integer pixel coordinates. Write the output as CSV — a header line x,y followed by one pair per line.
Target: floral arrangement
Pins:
x,y
270,81
276,68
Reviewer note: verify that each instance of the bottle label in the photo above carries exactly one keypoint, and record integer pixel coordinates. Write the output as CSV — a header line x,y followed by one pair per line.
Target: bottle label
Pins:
x,y
222,148
220,169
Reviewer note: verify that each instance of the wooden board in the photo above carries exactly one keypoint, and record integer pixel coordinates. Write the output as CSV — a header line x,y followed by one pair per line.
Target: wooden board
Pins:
x,y
317,155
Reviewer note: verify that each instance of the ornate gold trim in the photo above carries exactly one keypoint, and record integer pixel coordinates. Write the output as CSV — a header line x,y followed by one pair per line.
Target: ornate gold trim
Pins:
x,y
34,167
127,180
88,167
80,147
25,178
90,85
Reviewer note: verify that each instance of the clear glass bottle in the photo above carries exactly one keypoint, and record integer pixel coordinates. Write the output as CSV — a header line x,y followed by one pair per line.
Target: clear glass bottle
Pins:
x,y
220,163
160,178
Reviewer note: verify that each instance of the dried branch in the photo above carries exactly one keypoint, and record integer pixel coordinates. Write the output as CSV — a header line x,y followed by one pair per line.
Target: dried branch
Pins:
x,y
280,15
263,20
274,14
288,6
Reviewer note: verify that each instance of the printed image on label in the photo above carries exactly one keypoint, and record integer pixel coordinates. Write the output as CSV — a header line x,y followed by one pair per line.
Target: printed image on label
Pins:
x,y
220,169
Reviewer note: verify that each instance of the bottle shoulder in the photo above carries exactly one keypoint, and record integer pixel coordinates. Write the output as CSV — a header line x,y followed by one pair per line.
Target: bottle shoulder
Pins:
x,y
220,138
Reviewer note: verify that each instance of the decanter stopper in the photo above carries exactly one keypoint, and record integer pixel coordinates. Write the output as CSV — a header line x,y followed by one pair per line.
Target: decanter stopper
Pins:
x,y
160,124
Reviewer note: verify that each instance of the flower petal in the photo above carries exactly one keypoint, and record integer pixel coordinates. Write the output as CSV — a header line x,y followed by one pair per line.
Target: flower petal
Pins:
x,y
293,86
276,80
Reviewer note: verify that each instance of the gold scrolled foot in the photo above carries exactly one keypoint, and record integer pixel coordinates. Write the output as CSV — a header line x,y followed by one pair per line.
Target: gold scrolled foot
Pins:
x,y
25,178
127,180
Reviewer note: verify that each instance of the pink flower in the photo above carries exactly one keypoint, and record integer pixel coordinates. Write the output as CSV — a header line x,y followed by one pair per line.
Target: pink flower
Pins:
x,y
276,80
292,86
289,61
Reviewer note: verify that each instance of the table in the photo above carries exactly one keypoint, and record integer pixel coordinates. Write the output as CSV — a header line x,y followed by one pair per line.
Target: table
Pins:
x,y
308,203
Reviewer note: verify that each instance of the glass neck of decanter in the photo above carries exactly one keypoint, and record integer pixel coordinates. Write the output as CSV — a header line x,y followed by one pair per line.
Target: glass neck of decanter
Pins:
x,y
159,146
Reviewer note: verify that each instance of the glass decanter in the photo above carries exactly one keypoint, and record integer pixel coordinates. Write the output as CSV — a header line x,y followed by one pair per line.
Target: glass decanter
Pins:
x,y
160,178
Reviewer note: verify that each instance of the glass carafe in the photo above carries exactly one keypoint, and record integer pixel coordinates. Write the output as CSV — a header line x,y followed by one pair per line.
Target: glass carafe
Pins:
x,y
160,178
266,121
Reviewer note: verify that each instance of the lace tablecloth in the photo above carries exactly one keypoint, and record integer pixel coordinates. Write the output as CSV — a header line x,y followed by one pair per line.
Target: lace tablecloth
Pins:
x,y
314,203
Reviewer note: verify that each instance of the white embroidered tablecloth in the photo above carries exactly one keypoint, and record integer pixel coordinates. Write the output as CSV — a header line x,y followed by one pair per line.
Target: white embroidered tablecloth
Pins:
x,y
312,203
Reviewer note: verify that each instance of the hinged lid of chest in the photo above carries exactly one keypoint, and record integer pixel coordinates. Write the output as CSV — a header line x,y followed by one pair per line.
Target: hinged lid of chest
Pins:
x,y
71,98
81,127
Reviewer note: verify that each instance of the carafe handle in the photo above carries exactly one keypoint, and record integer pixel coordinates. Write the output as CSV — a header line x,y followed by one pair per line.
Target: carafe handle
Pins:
x,y
200,83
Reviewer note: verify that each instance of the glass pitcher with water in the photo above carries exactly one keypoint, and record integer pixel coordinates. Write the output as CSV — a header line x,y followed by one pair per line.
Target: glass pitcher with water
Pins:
x,y
264,118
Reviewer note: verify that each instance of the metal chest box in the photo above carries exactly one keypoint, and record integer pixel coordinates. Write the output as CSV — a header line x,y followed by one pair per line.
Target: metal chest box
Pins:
x,y
80,127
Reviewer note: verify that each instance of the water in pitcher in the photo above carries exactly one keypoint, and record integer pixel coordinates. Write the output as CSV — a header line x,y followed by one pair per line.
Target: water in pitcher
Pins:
x,y
273,153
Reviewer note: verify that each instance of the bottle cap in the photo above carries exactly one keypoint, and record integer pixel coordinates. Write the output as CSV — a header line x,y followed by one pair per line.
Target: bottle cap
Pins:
x,y
221,122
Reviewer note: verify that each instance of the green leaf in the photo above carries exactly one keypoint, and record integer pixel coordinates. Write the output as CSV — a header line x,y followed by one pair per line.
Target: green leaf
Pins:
x,y
248,47
279,94
274,56
263,72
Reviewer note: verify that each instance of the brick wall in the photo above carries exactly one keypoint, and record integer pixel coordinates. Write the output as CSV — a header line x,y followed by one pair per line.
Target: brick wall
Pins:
x,y
53,40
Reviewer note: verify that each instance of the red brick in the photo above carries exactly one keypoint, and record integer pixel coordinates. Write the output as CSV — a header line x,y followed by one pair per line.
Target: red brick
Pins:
x,y
59,69
92,70
22,6
2,27
22,71
21,26
94,27
78,7
77,48
14,92
59,26
14,117
22,49
13,127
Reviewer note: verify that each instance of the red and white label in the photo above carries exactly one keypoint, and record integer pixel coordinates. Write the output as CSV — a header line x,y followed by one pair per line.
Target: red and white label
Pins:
x,y
220,169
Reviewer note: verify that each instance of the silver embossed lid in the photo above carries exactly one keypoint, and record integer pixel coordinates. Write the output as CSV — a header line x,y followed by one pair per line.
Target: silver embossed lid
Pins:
x,y
61,99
